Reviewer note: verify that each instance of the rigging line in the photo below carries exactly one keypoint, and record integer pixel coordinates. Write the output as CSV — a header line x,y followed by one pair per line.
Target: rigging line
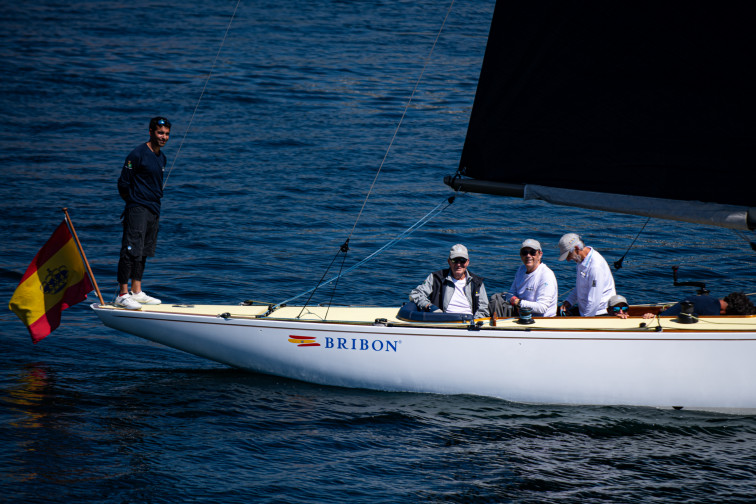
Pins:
x,y
194,112
399,124
618,263
743,237
387,246
335,285
320,282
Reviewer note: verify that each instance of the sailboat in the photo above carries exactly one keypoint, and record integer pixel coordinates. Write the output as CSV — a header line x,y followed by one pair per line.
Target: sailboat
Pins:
x,y
636,108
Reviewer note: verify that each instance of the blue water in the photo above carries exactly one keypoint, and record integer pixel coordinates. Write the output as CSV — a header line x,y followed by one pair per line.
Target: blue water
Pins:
x,y
270,166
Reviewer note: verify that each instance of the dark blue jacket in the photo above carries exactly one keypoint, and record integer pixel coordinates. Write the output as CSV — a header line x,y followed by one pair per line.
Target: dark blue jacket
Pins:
x,y
702,305
141,180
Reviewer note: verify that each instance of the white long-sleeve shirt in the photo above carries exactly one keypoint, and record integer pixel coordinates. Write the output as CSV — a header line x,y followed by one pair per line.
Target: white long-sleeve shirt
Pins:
x,y
537,290
594,285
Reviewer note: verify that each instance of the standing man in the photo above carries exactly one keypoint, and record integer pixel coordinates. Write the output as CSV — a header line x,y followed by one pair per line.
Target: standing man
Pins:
x,y
594,284
454,289
534,285
141,187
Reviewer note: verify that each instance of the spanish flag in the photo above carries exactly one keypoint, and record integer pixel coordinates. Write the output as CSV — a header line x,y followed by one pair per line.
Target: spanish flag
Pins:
x,y
54,281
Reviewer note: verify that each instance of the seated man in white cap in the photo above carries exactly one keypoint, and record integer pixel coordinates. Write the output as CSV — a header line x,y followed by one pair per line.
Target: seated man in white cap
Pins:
x,y
534,285
453,289
594,283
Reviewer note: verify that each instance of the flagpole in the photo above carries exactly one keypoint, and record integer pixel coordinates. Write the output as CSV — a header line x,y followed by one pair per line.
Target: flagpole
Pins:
x,y
83,255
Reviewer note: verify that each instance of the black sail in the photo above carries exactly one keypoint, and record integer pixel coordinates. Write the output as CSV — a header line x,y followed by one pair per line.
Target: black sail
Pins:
x,y
578,102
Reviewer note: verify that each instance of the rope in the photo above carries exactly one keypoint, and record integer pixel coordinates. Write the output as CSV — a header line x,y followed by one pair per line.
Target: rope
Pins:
x,y
618,263
202,93
435,211
345,245
743,237
312,291
399,124
333,291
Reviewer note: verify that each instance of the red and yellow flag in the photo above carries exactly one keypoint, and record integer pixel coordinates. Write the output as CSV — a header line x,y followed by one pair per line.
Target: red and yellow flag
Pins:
x,y
54,281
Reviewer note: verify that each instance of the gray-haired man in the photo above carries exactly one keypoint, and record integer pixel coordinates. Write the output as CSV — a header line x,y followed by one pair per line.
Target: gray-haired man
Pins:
x,y
594,283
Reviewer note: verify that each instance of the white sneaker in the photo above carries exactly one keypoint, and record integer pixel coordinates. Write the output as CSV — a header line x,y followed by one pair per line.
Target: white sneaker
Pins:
x,y
127,301
143,298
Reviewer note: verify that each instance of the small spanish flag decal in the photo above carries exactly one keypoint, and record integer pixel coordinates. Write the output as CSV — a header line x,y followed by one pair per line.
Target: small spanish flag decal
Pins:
x,y
303,340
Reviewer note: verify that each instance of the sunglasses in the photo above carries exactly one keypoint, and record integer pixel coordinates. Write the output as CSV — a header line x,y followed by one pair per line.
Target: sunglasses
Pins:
x,y
617,309
459,260
161,122
529,252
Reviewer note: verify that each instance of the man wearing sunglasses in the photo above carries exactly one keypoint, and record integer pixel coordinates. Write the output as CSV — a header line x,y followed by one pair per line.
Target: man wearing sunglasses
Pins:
x,y
141,187
534,285
454,289
618,306
594,283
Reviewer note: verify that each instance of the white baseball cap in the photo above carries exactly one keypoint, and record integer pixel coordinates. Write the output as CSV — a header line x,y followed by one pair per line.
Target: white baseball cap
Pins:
x,y
567,244
531,243
458,250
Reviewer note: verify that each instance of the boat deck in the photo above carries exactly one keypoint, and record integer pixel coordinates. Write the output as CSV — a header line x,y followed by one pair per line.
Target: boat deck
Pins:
x,y
366,315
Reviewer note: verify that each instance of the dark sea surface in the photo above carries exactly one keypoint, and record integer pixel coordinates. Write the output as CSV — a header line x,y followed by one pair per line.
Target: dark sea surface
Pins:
x,y
271,160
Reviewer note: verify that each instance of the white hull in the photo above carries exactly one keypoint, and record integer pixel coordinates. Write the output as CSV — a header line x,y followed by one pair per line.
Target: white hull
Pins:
x,y
599,361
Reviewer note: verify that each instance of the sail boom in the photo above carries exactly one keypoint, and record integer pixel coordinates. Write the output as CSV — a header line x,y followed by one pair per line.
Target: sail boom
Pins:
x,y
696,212
485,187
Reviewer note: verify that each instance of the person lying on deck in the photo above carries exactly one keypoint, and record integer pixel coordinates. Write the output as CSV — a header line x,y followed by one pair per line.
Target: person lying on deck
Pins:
x,y
453,289
735,303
